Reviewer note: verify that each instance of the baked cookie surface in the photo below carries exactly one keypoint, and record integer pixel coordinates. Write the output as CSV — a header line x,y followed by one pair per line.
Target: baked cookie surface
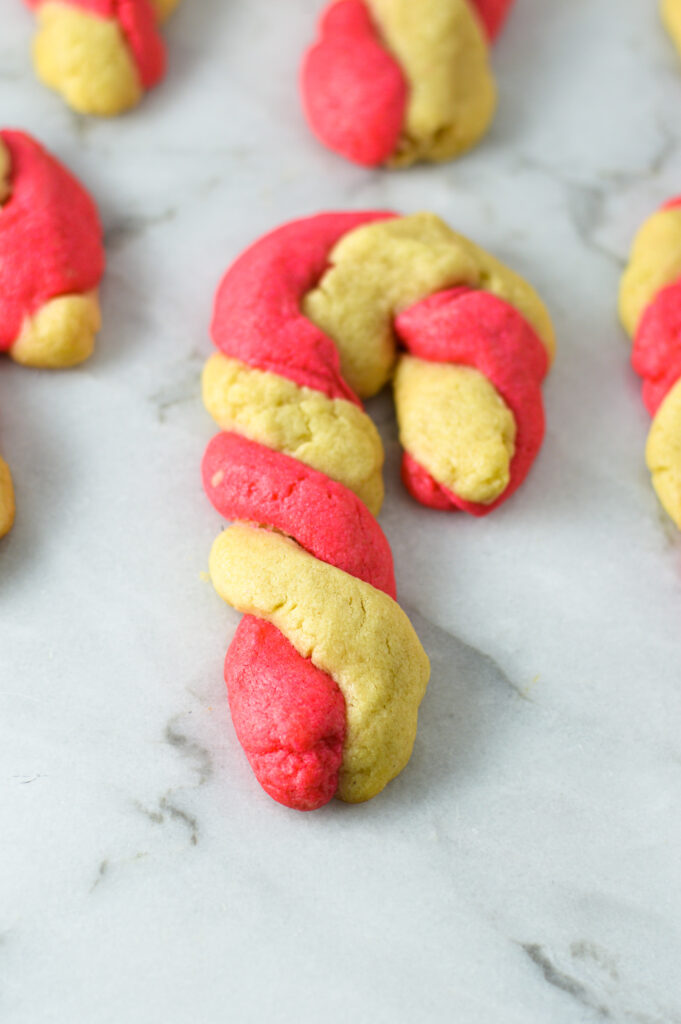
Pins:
x,y
392,82
51,262
307,323
650,310
100,55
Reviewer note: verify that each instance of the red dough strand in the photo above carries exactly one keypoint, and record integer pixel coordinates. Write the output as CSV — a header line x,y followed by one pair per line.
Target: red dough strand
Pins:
x,y
493,14
656,356
257,316
247,481
139,25
477,329
354,91
288,715
50,236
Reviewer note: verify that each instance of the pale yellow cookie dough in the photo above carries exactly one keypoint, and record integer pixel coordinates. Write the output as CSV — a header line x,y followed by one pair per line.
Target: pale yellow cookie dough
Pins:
x,y
442,50
355,633
663,453
331,435
671,16
456,426
61,334
6,499
86,59
654,262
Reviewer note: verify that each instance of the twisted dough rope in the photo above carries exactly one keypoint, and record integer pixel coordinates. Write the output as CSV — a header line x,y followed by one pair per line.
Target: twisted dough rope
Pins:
x,y
650,310
324,693
393,81
51,261
100,55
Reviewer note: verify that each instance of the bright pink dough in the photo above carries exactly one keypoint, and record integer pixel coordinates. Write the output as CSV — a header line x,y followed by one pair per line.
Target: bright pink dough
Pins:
x,y
656,355
289,715
354,92
50,236
138,22
477,329
257,316
671,203
493,14
247,481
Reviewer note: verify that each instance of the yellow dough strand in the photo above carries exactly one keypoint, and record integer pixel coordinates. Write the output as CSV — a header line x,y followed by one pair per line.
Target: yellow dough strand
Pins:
x,y
355,633
441,47
331,435
663,453
456,426
61,334
6,499
86,59
654,262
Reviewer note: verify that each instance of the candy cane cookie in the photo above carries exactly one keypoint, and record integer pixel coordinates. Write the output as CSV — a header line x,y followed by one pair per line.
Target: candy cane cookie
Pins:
x,y
393,82
100,55
650,310
51,261
325,673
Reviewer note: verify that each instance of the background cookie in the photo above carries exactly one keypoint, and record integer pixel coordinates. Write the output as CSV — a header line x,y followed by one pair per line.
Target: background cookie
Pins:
x,y
650,309
100,55
51,261
396,82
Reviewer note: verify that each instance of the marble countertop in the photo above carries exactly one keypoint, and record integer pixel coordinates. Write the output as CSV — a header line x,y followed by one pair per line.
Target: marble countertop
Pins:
x,y
526,867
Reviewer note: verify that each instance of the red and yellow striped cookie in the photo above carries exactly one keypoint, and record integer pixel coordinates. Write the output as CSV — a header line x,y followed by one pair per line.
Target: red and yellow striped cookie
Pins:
x,y
100,55
392,82
326,674
51,261
650,310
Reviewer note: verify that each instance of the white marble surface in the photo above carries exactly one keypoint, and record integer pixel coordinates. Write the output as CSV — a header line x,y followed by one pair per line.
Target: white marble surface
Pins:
x,y
526,867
